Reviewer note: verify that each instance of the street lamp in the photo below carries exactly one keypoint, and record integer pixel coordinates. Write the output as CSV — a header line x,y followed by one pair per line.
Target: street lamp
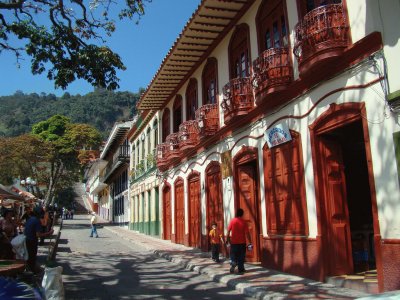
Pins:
x,y
29,184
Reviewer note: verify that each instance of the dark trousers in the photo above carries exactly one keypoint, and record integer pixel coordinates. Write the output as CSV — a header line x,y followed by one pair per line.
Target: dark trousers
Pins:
x,y
215,252
32,247
238,254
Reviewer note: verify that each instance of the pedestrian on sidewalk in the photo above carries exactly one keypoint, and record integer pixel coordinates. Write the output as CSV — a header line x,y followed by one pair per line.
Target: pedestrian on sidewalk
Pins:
x,y
236,237
33,231
93,225
215,237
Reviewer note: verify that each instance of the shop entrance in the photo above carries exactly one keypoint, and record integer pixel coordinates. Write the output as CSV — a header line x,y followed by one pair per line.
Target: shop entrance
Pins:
x,y
247,196
345,201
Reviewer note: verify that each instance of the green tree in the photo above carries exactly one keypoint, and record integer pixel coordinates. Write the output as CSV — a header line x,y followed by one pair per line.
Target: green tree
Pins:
x,y
63,45
67,141
23,156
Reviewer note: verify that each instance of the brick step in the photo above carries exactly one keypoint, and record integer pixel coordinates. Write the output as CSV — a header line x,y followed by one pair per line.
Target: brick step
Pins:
x,y
365,282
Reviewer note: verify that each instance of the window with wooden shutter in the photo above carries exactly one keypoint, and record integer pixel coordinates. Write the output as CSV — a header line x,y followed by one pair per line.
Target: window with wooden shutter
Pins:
x,y
284,189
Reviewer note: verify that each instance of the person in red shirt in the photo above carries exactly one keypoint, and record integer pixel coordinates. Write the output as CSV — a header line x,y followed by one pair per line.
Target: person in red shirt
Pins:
x,y
236,237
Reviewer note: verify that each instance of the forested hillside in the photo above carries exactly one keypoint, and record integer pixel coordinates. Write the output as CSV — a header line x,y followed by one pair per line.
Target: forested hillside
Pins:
x,y
100,109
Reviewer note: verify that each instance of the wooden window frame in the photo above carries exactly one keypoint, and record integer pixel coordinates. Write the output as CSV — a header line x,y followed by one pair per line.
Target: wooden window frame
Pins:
x,y
267,12
239,43
191,99
210,72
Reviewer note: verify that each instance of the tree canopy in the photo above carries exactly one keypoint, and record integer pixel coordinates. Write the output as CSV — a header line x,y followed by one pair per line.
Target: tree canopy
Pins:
x,y
100,109
54,154
60,37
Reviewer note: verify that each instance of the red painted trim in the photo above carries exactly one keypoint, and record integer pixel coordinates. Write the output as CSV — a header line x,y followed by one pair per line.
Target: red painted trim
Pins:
x,y
337,116
351,87
390,241
289,238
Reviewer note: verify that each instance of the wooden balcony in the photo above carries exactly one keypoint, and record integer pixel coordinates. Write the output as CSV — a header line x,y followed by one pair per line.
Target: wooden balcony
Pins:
x,y
188,135
162,158
238,98
273,72
207,120
173,151
322,35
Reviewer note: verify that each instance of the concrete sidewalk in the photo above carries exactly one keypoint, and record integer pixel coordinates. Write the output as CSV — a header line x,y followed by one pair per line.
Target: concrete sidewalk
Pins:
x,y
257,282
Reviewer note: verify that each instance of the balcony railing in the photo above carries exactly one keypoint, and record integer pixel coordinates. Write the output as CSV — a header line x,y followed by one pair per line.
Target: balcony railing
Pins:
x,y
273,72
207,120
173,151
238,98
188,135
145,166
322,34
122,154
162,157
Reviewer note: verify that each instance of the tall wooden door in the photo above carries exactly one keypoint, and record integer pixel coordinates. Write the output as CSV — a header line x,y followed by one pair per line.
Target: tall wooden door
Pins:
x,y
179,213
335,218
215,209
167,213
194,212
248,201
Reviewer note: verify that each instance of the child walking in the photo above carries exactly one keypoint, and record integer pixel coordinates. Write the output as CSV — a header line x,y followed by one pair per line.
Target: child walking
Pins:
x,y
215,237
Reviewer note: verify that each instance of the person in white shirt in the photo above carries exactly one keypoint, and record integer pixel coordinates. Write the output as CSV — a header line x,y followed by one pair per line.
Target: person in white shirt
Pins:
x,y
93,225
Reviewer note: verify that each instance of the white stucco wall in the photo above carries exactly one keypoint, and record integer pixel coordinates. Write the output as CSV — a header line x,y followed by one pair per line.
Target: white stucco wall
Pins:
x,y
374,16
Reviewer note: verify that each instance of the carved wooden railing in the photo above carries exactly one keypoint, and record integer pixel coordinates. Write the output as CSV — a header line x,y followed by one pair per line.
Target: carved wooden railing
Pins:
x,y
173,151
188,135
207,120
238,98
272,71
322,32
162,156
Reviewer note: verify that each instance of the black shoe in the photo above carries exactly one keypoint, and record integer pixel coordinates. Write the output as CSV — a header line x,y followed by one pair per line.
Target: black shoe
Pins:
x,y
232,269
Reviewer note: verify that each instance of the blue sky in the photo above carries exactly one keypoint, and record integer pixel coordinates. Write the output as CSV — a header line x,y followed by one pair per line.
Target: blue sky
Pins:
x,y
142,48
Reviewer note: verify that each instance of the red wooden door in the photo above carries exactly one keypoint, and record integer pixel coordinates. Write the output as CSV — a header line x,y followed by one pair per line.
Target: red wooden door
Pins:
x,y
247,188
335,219
167,213
194,212
215,209
179,213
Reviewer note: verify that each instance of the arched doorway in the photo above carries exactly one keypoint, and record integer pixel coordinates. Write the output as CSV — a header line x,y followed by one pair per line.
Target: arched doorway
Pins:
x,y
179,212
247,197
214,199
166,212
344,186
194,210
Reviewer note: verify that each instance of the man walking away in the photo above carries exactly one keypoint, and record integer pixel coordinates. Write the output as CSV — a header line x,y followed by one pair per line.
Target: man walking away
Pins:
x,y
236,237
93,224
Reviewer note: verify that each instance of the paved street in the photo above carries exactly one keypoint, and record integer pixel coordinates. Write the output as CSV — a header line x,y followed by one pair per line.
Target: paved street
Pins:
x,y
113,268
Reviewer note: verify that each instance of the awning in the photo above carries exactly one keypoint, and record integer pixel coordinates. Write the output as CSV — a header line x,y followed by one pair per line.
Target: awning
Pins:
x,y
7,194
